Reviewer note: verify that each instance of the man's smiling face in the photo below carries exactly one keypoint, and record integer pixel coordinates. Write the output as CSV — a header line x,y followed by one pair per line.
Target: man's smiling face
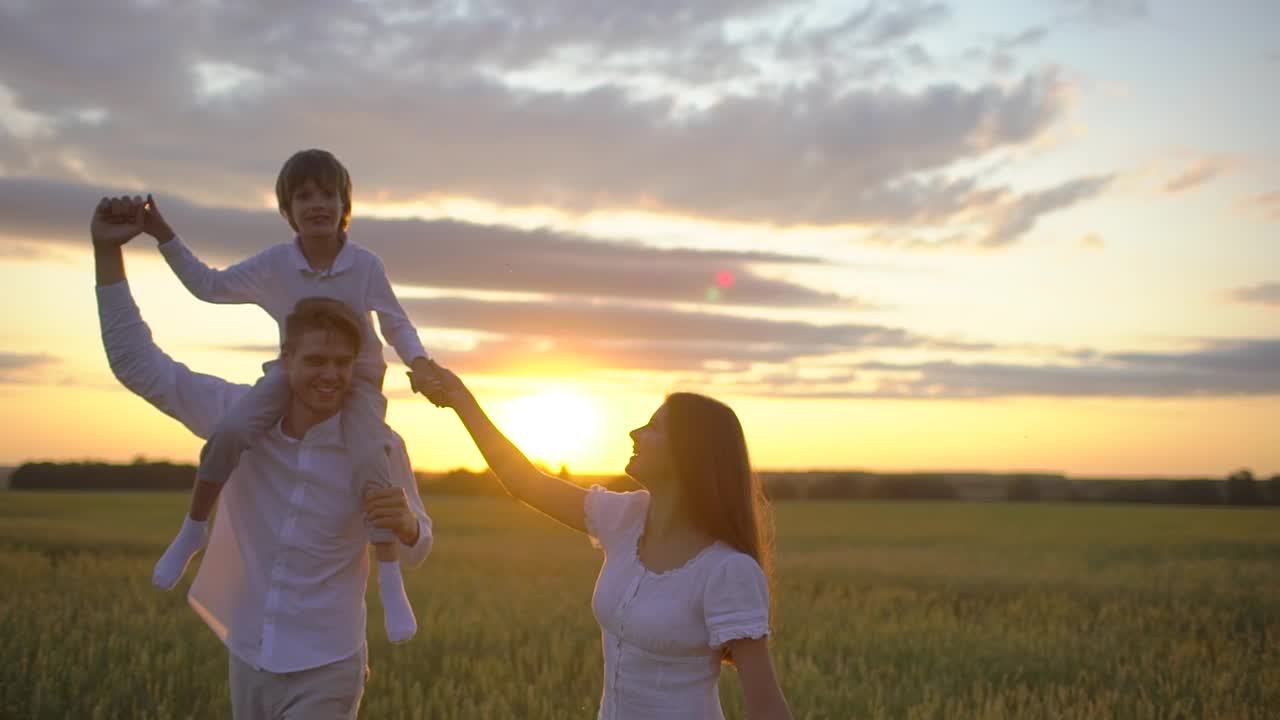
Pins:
x,y
320,367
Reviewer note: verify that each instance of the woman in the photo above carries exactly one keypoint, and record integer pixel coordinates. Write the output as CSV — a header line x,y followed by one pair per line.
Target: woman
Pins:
x,y
684,585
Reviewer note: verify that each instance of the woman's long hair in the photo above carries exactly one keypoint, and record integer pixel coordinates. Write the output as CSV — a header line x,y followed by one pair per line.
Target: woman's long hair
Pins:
x,y
709,452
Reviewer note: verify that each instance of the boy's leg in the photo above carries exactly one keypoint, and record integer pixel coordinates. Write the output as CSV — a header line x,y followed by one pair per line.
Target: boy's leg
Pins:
x,y
204,496
368,439
250,417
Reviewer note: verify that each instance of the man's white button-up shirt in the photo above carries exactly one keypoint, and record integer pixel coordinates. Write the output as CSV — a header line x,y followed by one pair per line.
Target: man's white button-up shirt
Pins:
x,y
283,579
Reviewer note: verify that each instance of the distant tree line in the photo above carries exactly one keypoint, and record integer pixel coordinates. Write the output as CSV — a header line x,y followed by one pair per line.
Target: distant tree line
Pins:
x,y
138,475
1240,488
858,486
484,483
142,474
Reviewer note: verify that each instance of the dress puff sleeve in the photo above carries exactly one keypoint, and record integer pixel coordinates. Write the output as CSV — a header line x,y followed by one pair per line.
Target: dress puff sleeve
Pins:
x,y
735,604
610,515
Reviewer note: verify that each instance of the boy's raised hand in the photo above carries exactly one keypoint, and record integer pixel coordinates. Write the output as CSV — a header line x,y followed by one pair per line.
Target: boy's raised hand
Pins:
x,y
154,224
116,220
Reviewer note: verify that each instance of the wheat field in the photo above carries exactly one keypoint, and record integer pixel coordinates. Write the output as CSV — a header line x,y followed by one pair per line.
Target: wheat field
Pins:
x,y
907,610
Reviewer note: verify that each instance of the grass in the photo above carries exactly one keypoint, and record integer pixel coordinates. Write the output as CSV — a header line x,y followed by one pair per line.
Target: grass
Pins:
x,y
911,610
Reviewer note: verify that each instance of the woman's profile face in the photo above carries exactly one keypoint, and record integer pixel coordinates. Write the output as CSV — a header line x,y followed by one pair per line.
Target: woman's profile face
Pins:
x,y
651,456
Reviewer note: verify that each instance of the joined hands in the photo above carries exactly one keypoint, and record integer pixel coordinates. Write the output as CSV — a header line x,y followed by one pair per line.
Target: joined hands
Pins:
x,y
437,384
117,220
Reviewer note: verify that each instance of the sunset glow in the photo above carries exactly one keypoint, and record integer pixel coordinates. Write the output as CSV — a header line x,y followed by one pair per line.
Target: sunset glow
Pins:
x,y
890,235
554,427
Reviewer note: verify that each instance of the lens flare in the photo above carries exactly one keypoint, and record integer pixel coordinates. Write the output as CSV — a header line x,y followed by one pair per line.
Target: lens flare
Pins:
x,y
724,279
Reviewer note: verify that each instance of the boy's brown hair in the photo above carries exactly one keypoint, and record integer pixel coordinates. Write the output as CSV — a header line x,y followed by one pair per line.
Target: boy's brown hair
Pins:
x,y
321,167
321,313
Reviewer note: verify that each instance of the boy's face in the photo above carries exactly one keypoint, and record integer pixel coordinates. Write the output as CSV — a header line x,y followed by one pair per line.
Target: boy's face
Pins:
x,y
314,211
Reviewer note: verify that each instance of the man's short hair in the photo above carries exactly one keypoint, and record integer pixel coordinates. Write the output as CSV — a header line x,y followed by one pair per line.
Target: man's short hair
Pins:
x,y
321,313
321,167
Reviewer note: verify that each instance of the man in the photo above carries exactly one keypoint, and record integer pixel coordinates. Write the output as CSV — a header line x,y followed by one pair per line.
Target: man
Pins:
x,y
283,578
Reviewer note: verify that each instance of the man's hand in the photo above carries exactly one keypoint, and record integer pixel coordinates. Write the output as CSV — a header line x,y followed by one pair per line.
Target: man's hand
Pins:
x,y
153,223
116,221
388,508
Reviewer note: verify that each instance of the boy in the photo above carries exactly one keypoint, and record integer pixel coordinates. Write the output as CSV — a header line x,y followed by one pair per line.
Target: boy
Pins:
x,y
313,193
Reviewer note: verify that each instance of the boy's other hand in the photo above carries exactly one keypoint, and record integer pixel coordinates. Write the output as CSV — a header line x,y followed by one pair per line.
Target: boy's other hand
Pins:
x,y
417,384
154,224
388,508
439,385
422,368
116,221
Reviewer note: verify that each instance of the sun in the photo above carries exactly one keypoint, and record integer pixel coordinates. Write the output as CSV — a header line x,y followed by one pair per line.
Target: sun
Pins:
x,y
555,427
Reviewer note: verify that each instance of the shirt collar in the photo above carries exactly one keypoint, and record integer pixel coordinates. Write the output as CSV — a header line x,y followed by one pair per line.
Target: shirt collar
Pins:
x,y
344,260
327,433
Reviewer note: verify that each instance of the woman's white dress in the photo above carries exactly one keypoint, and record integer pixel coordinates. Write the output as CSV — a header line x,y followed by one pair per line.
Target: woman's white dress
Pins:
x,y
663,632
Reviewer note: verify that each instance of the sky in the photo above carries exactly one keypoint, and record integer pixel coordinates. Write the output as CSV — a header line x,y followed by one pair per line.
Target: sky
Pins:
x,y
952,236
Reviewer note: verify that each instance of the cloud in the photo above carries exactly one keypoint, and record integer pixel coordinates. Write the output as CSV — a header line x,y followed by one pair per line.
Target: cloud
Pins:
x,y
1220,368
858,34
1266,204
573,357
1107,11
20,367
620,322
438,103
22,361
570,336
902,22
1262,294
444,253
1196,175
564,338
576,357
1029,37
799,360
996,218
1001,53
25,251
1019,215
804,360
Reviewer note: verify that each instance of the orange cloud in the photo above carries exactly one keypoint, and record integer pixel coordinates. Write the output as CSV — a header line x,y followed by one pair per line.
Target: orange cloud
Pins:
x,y
1196,175
1267,204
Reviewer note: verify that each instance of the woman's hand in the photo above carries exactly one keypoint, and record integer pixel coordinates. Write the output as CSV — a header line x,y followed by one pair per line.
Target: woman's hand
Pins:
x,y
440,385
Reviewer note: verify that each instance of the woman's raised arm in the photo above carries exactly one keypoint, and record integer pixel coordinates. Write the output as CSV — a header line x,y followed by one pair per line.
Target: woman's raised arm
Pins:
x,y
549,494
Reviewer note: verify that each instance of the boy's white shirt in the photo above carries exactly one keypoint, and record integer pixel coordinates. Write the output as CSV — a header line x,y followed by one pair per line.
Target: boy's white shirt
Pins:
x,y
283,579
278,277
